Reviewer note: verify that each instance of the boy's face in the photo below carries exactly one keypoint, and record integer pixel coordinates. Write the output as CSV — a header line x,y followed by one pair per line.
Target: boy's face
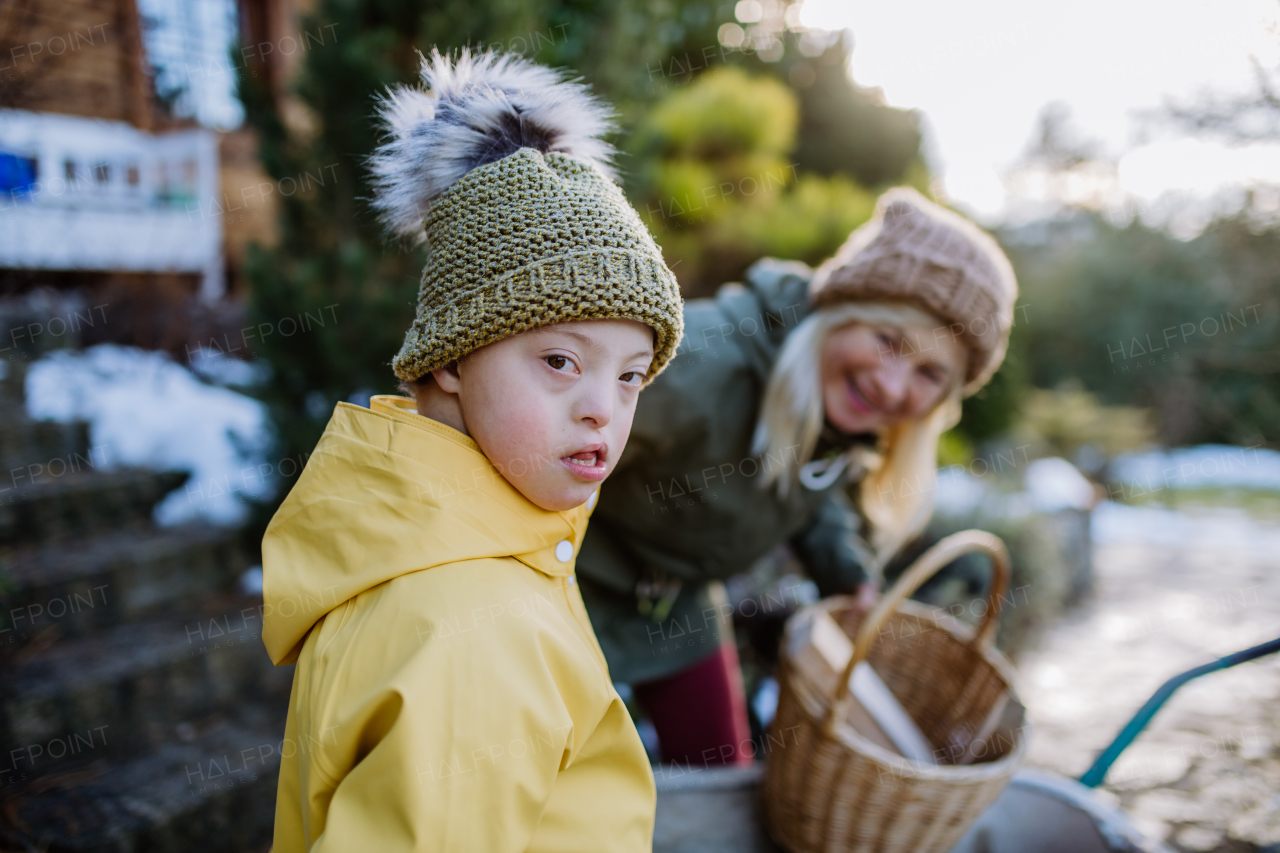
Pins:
x,y
552,407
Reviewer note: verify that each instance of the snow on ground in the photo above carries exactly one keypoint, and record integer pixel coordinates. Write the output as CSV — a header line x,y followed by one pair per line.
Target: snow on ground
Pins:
x,y
1224,527
1202,466
958,492
221,369
1049,485
1206,466
1054,484
145,410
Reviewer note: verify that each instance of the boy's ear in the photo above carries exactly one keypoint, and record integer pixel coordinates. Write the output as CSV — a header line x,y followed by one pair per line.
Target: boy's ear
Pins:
x,y
447,378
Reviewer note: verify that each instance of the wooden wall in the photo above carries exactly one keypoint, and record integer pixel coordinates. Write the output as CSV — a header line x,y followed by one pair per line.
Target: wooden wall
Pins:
x,y
81,57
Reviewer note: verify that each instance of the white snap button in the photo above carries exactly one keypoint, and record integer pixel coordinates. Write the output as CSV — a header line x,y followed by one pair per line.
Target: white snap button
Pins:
x,y
572,580
564,550
591,501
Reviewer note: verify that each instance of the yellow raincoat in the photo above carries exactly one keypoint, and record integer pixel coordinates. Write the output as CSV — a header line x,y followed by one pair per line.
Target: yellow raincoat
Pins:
x,y
449,692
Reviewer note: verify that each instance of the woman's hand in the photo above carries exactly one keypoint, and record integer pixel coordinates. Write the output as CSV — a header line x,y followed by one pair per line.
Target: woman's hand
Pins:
x,y
865,597
864,600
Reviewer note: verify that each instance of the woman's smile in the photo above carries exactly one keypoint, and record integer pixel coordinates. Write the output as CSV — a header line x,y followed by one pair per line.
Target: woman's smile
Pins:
x,y
857,400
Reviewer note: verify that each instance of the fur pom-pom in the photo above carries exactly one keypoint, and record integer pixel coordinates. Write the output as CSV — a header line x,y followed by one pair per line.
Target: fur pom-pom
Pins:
x,y
476,110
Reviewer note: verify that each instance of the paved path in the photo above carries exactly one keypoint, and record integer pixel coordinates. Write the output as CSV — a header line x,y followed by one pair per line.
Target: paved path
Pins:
x,y
1173,590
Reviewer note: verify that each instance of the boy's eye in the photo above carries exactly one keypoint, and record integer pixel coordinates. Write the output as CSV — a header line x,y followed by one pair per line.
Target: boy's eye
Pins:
x,y
557,362
631,377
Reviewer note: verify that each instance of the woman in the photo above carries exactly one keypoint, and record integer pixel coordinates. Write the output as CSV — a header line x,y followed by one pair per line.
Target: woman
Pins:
x,y
784,390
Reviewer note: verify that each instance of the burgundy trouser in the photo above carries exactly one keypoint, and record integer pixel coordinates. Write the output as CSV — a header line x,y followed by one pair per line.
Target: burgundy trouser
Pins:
x,y
700,712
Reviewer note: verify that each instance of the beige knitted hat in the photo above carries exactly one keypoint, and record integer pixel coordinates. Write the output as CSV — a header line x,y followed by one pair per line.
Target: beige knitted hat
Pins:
x,y
499,167
915,251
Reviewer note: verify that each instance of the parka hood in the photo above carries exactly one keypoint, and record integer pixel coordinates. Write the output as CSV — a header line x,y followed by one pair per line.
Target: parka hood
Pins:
x,y
387,492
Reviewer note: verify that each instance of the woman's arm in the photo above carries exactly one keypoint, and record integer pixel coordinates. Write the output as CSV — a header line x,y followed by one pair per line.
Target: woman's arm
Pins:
x,y
831,548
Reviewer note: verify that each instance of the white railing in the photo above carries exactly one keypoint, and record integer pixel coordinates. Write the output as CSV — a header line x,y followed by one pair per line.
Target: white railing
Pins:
x,y
85,194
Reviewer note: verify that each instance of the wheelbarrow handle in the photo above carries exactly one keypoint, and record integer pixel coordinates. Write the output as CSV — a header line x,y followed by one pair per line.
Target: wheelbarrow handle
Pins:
x,y
1094,775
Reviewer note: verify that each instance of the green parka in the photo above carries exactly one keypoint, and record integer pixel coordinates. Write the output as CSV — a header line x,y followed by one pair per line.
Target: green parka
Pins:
x,y
686,502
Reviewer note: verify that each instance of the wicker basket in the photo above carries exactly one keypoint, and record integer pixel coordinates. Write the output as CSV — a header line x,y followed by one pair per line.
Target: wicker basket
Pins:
x,y
827,788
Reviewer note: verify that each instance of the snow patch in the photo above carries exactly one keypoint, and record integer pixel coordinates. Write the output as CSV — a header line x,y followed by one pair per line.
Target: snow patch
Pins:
x,y
145,410
250,582
958,492
1202,466
1055,484
765,702
1113,523
1225,529
221,369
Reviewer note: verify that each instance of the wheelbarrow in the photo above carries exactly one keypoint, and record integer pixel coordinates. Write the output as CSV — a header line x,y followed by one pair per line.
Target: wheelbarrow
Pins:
x,y
715,810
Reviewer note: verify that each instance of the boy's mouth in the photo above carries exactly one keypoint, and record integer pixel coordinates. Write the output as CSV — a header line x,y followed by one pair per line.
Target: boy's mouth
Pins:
x,y
588,463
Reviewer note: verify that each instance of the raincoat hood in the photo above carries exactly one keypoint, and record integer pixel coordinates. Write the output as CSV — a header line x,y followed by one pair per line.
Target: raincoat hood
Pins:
x,y
425,496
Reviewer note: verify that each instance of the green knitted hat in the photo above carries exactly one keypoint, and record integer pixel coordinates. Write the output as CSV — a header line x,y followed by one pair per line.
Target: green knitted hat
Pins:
x,y
498,165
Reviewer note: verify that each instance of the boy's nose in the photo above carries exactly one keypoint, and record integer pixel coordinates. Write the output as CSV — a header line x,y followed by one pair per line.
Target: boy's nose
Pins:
x,y
596,405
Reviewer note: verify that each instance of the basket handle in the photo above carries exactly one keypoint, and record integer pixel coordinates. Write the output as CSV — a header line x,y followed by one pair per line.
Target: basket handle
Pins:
x,y
925,567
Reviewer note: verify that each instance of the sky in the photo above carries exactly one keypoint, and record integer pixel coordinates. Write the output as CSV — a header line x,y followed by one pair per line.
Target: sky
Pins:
x,y
981,72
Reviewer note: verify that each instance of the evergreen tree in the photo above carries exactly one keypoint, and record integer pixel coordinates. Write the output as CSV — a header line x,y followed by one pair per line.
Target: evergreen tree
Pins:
x,y
1189,330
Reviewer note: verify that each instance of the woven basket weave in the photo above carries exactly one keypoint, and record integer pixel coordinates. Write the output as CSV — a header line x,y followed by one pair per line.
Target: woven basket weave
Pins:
x,y
827,788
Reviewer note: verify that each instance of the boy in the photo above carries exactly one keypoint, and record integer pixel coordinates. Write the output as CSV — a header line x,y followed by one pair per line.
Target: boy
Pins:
x,y
449,692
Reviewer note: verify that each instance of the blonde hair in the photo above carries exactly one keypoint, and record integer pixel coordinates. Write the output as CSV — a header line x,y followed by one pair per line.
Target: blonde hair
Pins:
x,y
897,490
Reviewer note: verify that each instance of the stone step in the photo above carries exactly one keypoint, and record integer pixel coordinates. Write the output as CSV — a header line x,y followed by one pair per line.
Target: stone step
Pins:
x,y
96,583
136,684
57,509
16,355
212,793
37,450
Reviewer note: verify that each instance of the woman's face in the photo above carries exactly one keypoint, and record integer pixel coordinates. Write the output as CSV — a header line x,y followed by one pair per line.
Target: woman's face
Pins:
x,y
876,376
